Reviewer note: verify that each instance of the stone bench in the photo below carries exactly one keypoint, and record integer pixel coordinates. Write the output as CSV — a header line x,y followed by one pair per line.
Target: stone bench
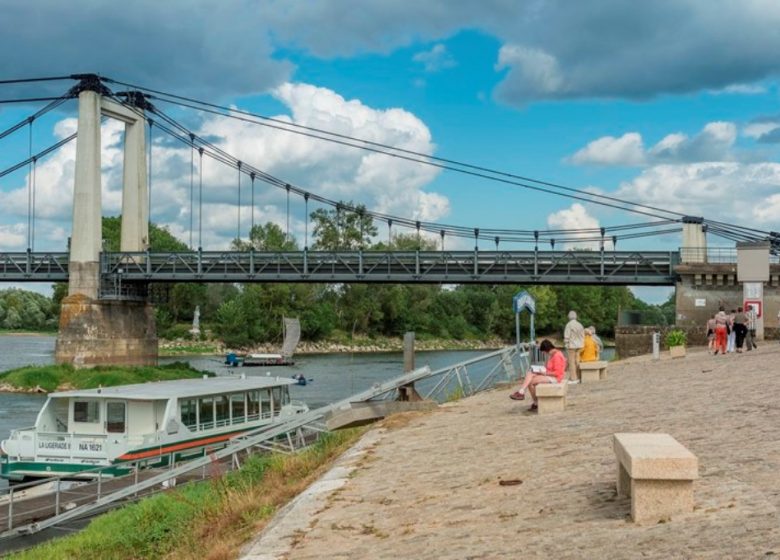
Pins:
x,y
657,472
593,371
551,397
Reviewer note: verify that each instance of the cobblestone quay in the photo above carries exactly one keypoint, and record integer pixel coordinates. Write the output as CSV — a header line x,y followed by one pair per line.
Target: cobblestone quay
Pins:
x,y
430,487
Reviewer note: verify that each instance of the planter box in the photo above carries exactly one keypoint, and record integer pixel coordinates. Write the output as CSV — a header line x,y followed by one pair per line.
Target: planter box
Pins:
x,y
677,351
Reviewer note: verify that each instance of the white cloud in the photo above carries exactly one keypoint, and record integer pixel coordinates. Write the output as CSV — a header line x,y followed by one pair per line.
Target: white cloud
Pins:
x,y
436,59
382,183
742,89
759,129
577,217
747,193
13,236
715,142
608,150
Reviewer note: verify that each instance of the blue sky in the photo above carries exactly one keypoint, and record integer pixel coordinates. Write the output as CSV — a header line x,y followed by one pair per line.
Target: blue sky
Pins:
x,y
673,104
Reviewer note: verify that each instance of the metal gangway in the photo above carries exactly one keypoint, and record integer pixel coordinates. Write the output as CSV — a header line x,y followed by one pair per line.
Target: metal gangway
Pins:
x,y
64,504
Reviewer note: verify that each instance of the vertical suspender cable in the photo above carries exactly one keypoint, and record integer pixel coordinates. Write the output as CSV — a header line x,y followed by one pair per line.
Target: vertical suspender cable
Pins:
x,y
287,233
32,240
252,213
151,129
29,187
306,221
192,182
238,224
200,200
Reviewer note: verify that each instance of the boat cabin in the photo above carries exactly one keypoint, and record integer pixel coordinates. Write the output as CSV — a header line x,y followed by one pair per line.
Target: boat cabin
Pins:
x,y
146,421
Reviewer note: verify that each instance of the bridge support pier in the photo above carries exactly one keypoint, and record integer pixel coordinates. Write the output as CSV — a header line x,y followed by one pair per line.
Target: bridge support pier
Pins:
x,y
95,331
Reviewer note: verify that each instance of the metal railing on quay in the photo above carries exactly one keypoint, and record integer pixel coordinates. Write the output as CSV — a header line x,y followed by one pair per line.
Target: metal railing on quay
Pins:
x,y
287,435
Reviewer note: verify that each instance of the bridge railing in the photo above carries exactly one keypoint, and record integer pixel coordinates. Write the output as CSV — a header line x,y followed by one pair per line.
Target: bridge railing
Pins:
x,y
29,265
715,255
616,267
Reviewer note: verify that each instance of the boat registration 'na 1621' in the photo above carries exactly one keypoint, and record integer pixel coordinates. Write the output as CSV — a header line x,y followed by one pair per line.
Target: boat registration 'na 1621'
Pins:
x,y
149,424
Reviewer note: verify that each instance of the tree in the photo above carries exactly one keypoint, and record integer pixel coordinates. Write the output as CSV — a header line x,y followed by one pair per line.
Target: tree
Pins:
x,y
268,237
340,229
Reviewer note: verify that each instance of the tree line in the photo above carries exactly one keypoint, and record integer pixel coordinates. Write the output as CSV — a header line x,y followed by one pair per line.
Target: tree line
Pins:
x,y
246,314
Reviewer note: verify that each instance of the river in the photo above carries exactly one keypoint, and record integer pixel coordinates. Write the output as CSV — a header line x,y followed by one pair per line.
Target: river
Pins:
x,y
333,376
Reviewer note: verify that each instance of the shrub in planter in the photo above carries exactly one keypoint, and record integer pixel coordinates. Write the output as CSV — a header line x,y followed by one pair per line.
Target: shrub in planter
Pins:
x,y
675,341
675,338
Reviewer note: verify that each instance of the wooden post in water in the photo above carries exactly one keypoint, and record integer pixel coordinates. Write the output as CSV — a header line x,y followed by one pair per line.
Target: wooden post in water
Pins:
x,y
408,392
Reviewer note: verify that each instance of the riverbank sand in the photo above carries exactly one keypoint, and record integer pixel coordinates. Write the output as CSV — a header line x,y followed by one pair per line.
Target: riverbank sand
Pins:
x,y
428,485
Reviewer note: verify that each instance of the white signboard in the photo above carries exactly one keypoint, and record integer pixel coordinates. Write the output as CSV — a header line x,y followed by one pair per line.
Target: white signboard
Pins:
x,y
700,302
753,290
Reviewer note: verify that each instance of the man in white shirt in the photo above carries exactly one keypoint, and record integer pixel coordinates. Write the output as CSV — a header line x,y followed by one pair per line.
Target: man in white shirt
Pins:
x,y
750,337
574,340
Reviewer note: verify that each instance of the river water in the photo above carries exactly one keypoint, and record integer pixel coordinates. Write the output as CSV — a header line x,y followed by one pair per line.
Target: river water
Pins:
x,y
333,376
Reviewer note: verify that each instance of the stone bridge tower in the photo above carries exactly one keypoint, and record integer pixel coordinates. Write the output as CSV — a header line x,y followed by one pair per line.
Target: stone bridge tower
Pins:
x,y
95,329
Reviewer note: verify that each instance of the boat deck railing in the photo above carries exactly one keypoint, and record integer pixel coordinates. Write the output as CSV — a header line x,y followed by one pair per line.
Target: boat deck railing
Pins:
x,y
20,517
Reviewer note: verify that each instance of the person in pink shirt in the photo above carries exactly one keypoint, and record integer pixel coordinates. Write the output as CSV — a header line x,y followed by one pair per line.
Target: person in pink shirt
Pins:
x,y
552,372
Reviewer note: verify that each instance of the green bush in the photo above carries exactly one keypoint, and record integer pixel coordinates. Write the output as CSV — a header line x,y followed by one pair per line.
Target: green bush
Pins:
x,y
675,338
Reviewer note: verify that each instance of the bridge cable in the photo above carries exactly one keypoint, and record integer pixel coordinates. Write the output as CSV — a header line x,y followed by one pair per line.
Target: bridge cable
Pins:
x,y
32,80
200,200
284,124
53,105
192,190
457,230
227,159
29,184
488,174
39,155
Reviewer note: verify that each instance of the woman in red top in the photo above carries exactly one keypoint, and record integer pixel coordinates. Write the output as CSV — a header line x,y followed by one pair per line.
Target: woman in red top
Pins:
x,y
554,370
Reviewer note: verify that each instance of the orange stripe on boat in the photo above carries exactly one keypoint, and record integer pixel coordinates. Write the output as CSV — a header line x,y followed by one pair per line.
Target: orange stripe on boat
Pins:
x,y
177,447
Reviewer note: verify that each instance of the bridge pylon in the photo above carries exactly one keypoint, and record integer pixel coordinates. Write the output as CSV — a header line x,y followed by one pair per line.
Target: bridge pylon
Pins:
x,y
93,329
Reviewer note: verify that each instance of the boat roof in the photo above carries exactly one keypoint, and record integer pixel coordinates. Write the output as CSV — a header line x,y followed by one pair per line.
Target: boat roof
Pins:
x,y
180,388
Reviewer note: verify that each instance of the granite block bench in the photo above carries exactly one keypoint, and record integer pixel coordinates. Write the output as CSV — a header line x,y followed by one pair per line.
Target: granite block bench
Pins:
x,y
593,371
657,472
551,397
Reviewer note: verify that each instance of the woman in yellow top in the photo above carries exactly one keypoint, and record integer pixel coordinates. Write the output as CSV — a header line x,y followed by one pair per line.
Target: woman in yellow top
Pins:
x,y
590,351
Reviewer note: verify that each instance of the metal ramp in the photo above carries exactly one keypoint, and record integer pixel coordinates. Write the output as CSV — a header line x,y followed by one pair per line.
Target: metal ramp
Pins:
x,y
24,517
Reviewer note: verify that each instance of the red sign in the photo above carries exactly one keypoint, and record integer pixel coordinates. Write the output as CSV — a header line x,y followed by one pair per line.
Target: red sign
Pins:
x,y
754,304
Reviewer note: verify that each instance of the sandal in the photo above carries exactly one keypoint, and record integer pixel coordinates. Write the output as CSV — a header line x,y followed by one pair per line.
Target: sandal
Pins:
x,y
517,396
534,407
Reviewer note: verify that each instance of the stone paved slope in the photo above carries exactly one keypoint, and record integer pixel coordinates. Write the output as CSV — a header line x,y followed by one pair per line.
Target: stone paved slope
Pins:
x,y
430,489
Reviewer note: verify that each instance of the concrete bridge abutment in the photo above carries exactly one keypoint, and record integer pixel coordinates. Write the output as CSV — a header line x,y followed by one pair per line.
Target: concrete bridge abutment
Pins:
x,y
95,331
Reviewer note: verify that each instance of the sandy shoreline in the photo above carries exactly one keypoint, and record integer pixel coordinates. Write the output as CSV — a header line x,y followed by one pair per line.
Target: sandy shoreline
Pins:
x,y
431,489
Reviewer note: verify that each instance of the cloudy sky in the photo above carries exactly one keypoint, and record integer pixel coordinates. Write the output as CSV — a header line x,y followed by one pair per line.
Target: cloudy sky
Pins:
x,y
672,103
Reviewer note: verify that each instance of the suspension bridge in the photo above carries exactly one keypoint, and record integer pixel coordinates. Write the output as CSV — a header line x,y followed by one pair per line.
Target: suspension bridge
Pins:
x,y
103,284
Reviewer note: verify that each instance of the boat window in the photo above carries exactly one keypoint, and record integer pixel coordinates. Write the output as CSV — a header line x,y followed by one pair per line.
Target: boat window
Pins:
x,y
253,405
265,402
276,395
189,413
238,408
206,413
60,410
223,410
115,417
86,411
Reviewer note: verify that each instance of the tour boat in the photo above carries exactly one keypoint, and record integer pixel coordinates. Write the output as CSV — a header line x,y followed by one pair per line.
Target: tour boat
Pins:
x,y
146,424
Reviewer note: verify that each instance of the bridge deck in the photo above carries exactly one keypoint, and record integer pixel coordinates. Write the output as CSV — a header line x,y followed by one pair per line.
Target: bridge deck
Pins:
x,y
413,267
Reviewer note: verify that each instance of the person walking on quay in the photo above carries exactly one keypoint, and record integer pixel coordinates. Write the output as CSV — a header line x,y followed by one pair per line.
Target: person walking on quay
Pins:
x,y
711,333
721,331
730,341
553,371
573,340
739,329
750,337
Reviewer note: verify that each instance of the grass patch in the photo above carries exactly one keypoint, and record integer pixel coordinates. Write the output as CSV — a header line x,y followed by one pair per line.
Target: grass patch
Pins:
x,y
189,349
203,521
49,378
